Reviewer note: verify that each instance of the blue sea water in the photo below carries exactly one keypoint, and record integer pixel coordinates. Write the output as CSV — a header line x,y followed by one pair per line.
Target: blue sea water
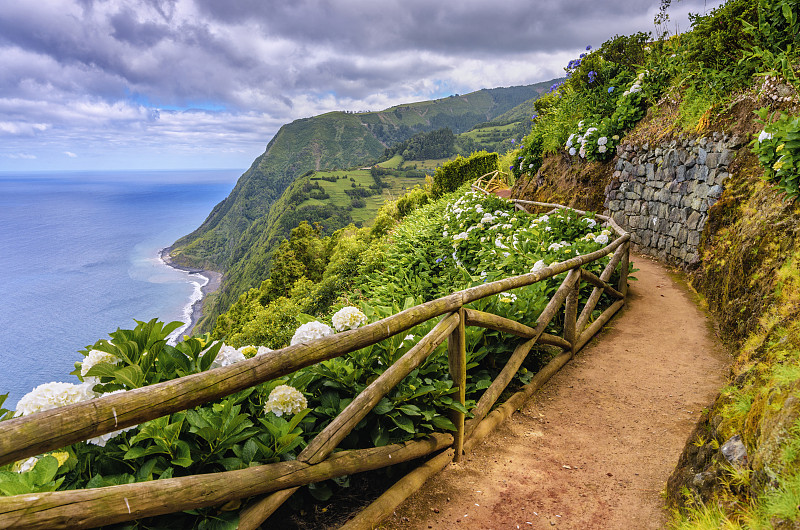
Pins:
x,y
79,258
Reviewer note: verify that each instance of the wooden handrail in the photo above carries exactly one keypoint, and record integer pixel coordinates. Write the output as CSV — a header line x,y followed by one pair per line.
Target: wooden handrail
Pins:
x,y
41,432
115,504
56,428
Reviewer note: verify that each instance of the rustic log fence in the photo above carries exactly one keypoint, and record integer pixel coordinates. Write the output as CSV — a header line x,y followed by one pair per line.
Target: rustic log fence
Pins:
x,y
45,431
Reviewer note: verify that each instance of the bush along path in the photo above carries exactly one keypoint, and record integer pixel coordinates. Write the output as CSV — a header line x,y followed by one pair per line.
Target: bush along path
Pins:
x,y
594,448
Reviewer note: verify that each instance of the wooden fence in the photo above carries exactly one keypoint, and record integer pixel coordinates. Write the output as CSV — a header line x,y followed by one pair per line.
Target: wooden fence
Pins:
x,y
45,431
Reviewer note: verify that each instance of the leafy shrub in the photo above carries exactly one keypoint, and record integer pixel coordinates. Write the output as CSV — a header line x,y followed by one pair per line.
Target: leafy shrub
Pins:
x,y
778,150
449,176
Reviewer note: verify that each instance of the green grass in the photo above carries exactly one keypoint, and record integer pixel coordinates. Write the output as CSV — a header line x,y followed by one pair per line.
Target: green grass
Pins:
x,y
362,177
484,134
336,190
393,163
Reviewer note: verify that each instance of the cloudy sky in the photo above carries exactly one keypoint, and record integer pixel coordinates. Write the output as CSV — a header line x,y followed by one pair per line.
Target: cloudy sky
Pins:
x,y
161,84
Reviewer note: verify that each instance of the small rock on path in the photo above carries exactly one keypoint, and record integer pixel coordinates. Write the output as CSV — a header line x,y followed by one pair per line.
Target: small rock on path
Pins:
x,y
594,448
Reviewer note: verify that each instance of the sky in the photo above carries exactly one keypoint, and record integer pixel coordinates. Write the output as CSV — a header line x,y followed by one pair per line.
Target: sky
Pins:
x,y
190,84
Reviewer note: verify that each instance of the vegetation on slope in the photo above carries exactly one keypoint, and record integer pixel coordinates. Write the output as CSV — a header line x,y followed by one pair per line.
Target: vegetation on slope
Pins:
x,y
329,141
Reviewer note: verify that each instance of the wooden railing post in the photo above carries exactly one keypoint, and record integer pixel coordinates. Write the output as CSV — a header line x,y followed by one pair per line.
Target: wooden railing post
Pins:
x,y
571,315
457,360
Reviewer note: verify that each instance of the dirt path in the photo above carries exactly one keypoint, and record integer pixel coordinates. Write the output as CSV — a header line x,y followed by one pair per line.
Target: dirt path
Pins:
x,y
594,448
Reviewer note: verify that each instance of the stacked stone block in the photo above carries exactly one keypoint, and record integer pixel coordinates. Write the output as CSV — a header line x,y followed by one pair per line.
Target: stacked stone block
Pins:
x,y
661,194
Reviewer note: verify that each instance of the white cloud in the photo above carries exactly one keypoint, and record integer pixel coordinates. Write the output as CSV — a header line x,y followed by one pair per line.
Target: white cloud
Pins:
x,y
113,76
70,154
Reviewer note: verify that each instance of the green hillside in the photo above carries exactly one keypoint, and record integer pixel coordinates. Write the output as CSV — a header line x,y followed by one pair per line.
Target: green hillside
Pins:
x,y
330,199
330,141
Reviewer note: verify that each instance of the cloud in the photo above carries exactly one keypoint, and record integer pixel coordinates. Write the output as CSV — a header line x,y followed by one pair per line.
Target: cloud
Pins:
x,y
70,154
90,76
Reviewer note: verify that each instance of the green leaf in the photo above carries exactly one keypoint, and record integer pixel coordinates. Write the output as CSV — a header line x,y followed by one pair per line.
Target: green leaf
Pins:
x,y
10,484
483,383
404,423
145,471
45,470
102,370
183,457
409,410
297,419
139,452
379,436
249,451
457,406
209,356
384,406
440,422
130,376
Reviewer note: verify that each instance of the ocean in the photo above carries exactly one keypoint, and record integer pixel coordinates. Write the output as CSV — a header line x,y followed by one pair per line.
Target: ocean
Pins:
x,y
79,258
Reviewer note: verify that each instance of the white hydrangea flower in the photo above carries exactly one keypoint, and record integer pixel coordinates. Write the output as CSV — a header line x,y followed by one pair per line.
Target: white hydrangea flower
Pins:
x,y
507,297
23,466
310,331
348,318
602,149
262,350
601,239
226,356
51,395
569,140
285,399
462,235
96,357
590,222
539,265
603,140
764,136
103,439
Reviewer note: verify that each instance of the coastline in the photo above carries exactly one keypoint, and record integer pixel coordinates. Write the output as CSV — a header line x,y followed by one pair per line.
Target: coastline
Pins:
x,y
212,284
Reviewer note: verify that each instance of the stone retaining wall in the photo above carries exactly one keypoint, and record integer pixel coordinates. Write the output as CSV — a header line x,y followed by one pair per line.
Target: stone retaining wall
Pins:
x,y
661,194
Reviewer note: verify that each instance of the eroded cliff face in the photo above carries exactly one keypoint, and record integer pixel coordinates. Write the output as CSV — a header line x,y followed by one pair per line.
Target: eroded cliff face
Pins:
x,y
698,202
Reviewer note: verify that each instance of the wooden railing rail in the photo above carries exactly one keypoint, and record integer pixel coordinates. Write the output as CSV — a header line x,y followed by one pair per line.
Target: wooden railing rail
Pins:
x,y
38,433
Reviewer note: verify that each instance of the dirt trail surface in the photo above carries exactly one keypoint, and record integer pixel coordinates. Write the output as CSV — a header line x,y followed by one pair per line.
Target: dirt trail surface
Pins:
x,y
594,448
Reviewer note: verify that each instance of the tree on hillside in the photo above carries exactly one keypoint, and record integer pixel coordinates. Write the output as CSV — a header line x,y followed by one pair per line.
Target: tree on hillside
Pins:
x,y
304,254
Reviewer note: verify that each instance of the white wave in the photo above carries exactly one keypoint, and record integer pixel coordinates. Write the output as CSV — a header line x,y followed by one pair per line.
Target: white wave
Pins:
x,y
198,281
